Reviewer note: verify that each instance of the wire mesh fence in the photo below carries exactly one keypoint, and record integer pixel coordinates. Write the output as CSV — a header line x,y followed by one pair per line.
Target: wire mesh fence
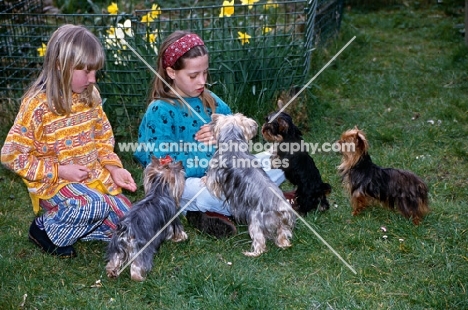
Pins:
x,y
254,50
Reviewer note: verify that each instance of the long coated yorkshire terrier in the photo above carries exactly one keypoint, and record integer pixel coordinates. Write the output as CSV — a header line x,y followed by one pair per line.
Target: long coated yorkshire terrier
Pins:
x,y
237,176
298,166
368,183
163,183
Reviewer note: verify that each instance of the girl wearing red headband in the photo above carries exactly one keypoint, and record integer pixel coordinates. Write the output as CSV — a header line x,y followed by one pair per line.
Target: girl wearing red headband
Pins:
x,y
175,124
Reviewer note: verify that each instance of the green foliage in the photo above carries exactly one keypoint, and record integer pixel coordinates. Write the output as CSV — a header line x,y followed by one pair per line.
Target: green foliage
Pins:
x,y
80,6
407,90
270,58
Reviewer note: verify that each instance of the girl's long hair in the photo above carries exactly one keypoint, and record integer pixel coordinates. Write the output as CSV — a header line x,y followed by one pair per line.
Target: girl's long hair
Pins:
x,y
159,89
69,48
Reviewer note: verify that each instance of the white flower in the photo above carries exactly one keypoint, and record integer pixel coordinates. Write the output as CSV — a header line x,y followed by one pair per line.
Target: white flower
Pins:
x,y
127,27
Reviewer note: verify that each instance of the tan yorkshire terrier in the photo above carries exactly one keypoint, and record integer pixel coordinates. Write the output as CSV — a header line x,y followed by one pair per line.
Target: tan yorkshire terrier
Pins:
x,y
369,184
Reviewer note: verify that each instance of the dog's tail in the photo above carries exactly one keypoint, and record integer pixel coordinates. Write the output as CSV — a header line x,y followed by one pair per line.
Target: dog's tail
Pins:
x,y
415,204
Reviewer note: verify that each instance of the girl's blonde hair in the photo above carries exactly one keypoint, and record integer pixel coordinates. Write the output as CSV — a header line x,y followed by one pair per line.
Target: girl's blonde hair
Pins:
x,y
69,48
159,89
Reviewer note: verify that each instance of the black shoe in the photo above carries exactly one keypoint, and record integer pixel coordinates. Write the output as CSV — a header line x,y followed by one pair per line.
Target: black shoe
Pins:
x,y
40,238
215,224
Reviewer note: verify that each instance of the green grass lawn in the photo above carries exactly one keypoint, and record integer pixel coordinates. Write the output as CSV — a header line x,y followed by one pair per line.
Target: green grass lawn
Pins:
x,y
404,81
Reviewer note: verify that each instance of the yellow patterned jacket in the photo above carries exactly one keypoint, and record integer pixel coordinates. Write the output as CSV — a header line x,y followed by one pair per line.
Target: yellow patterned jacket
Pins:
x,y
40,140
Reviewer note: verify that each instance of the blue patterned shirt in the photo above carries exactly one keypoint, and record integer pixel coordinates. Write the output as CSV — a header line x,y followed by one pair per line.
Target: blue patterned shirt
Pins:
x,y
169,129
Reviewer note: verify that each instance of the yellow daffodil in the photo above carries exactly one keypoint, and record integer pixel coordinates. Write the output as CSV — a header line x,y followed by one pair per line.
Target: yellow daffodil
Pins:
x,y
228,9
267,29
111,32
244,37
116,35
151,38
42,50
147,18
113,8
270,5
249,3
155,11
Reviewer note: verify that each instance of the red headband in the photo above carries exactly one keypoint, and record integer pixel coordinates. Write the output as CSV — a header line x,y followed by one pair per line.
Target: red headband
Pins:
x,y
179,48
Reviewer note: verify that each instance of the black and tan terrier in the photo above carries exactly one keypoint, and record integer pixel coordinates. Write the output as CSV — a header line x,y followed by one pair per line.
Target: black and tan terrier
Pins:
x,y
370,184
298,166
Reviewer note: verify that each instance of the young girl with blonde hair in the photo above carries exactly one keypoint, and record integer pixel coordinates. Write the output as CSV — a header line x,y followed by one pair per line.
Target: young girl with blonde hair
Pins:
x,y
62,146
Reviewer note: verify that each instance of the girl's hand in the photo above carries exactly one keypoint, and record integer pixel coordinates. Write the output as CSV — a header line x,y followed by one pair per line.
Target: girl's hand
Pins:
x,y
73,173
205,135
122,177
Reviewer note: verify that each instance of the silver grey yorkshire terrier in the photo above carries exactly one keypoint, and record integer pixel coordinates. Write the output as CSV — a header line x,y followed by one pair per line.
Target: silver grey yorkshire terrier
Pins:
x,y
163,183
236,176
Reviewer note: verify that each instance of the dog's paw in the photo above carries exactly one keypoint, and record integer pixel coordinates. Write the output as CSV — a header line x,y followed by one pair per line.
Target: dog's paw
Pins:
x,y
182,236
137,273
112,271
252,254
113,266
283,243
256,251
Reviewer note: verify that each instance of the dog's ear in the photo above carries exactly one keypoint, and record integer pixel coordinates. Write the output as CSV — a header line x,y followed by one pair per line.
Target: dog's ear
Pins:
x,y
215,120
280,103
215,117
179,165
287,126
361,140
154,160
361,135
250,127
283,124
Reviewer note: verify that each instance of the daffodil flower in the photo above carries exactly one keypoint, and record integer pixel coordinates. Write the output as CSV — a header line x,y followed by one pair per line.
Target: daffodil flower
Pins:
x,y
113,36
266,30
270,5
42,50
249,3
151,38
155,11
127,28
113,8
244,37
116,35
147,18
228,9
